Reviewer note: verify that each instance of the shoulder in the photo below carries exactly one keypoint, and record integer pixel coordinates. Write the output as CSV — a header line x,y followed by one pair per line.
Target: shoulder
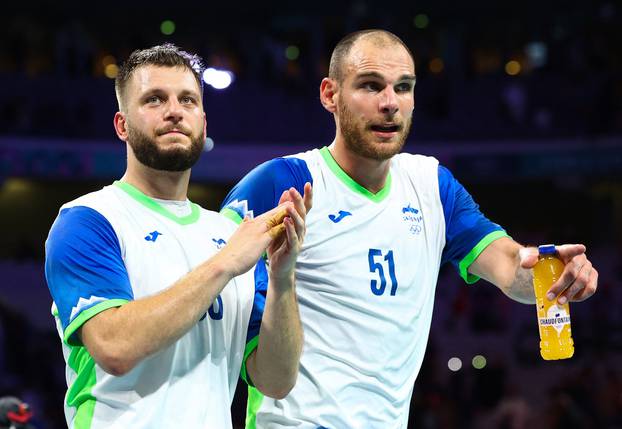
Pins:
x,y
287,166
217,220
106,202
413,163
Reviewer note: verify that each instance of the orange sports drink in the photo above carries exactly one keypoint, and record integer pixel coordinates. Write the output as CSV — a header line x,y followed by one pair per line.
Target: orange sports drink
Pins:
x,y
553,318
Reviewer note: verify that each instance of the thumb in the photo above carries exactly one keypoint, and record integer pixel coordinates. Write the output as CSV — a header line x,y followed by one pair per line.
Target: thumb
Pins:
x,y
528,257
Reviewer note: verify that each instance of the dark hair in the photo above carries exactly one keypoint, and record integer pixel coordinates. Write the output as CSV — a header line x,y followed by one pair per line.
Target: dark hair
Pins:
x,y
166,55
341,51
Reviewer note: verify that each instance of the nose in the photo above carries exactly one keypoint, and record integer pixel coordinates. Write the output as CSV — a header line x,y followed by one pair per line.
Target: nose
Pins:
x,y
388,101
174,111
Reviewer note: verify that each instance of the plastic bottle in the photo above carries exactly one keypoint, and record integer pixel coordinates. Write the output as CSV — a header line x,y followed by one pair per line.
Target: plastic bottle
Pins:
x,y
553,318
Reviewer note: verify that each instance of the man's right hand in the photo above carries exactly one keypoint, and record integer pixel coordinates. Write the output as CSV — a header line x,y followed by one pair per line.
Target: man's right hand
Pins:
x,y
251,240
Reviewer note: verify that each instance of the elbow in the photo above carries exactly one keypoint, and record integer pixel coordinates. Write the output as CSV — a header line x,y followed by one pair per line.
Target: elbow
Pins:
x,y
279,389
114,361
115,367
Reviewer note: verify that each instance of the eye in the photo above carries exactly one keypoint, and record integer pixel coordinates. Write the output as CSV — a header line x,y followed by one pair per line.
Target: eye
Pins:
x,y
153,99
403,87
186,99
371,86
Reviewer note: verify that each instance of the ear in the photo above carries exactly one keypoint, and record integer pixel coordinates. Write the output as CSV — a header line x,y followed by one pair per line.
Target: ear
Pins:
x,y
328,92
120,125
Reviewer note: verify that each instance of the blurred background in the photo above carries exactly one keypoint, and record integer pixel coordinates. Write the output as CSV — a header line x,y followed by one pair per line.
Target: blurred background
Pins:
x,y
521,100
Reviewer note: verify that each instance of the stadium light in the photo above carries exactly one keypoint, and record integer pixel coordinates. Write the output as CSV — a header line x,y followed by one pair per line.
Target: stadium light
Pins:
x,y
218,79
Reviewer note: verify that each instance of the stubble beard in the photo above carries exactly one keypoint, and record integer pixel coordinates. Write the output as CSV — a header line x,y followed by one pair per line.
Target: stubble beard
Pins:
x,y
358,137
148,153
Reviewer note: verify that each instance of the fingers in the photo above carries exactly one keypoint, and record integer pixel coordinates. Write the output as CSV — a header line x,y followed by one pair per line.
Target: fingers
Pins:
x,y
292,234
284,197
277,218
528,257
276,231
568,251
568,276
303,203
578,281
589,290
308,197
272,220
298,221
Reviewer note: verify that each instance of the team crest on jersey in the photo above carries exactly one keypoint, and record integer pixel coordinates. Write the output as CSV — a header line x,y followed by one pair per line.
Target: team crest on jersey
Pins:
x,y
413,219
240,207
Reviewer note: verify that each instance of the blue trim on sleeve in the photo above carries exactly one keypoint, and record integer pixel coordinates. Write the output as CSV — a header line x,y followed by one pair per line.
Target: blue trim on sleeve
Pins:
x,y
259,302
260,190
465,225
83,263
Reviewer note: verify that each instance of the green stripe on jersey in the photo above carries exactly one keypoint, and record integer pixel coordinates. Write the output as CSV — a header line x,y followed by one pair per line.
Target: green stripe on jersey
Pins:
x,y
255,398
79,393
231,214
250,346
475,252
151,204
86,315
351,183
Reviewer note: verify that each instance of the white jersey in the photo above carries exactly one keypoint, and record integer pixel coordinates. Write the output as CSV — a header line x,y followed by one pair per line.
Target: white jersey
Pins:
x,y
365,280
117,245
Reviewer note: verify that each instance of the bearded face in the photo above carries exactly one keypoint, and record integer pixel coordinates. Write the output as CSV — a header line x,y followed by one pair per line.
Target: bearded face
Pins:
x,y
156,155
360,138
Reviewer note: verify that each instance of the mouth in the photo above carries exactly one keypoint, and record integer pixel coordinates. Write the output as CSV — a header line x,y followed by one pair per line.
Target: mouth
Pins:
x,y
386,128
173,131
385,131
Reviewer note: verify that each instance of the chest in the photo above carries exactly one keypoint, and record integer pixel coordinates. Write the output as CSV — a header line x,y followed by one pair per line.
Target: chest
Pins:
x,y
359,248
157,252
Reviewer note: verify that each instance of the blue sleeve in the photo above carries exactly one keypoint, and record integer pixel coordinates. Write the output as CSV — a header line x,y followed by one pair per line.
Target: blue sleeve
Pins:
x,y
84,268
468,232
259,302
260,190
254,323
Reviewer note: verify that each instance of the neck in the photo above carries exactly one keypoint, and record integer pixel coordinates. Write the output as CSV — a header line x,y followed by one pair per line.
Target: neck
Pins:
x,y
369,173
164,185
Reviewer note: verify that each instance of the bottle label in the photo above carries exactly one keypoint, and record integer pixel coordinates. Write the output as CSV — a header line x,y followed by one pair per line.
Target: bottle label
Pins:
x,y
557,317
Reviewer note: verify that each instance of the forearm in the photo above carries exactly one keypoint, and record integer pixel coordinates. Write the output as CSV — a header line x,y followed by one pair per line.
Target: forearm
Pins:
x,y
520,288
120,338
500,264
273,367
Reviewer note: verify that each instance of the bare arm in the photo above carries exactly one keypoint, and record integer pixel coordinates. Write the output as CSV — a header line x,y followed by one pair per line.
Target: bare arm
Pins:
x,y
507,265
273,366
119,338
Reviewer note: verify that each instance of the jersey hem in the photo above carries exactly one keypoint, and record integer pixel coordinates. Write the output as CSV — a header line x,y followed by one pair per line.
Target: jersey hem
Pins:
x,y
466,262
86,315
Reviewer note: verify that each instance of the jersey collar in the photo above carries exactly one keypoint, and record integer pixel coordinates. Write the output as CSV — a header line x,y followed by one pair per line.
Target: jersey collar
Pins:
x,y
351,183
151,204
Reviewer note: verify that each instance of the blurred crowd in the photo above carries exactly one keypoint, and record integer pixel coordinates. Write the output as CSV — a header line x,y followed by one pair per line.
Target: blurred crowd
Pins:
x,y
534,69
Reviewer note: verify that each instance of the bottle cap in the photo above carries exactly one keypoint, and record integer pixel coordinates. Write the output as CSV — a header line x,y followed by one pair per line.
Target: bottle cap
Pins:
x,y
546,249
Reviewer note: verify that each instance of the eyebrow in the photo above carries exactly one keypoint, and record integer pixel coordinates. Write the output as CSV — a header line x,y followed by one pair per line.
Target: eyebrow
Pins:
x,y
377,75
158,91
